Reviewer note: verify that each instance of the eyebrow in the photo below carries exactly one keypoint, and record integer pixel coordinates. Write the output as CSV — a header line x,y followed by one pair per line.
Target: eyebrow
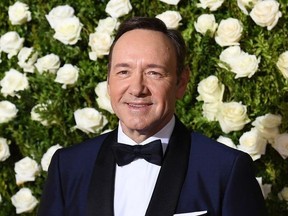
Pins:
x,y
148,66
156,66
121,65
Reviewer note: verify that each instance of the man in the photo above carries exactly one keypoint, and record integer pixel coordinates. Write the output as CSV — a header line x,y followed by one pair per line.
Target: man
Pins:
x,y
197,176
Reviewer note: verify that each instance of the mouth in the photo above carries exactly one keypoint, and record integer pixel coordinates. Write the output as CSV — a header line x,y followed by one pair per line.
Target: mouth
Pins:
x,y
138,105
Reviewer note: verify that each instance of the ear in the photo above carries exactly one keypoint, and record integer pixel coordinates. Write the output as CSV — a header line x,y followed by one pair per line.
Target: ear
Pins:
x,y
108,86
182,82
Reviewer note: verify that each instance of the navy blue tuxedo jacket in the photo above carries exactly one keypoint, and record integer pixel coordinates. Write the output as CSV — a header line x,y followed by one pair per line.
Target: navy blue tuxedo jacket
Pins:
x,y
198,174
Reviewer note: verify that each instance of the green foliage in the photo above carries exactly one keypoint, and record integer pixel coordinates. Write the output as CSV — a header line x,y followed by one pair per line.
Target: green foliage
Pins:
x,y
265,92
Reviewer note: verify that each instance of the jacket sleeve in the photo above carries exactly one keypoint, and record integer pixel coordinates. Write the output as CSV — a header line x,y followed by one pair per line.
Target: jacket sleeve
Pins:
x,y
243,195
52,202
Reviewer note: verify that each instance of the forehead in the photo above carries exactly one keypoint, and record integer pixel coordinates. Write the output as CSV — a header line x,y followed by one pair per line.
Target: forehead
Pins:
x,y
142,42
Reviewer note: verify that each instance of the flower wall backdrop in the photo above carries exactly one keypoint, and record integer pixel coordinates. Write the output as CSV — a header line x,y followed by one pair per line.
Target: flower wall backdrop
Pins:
x,y
53,83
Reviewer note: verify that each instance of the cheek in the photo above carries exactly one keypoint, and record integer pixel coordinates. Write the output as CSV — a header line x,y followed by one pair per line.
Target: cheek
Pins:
x,y
113,94
116,91
165,96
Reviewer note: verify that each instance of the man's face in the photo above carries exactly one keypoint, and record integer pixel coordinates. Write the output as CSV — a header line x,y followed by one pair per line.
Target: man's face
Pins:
x,y
142,82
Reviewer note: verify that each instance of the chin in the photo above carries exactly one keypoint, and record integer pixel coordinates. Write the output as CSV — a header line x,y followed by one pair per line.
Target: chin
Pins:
x,y
136,123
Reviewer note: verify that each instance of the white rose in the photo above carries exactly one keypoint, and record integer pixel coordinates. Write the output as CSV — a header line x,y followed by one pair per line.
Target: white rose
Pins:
x,y
100,44
68,30
67,75
232,116
229,56
11,43
213,5
210,90
4,149
239,62
49,63
24,201
229,32
13,82
8,111
206,23
171,2
26,59
47,156
265,188
107,25
89,120
103,99
244,4
26,170
266,13
252,143
211,110
283,194
19,13
226,141
170,18
59,13
35,113
118,8
281,145
268,126
0,198
282,64
246,65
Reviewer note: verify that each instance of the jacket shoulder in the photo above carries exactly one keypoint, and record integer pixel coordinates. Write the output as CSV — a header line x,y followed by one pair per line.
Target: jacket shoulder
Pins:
x,y
81,153
86,145
203,147
200,141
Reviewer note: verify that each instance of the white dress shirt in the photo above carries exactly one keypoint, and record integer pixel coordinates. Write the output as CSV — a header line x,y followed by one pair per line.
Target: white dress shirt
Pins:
x,y
135,182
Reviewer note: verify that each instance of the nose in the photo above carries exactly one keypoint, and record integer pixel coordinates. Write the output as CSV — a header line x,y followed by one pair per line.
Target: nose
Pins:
x,y
138,86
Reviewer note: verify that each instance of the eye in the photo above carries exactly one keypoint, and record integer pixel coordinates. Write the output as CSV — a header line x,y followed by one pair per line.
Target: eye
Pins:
x,y
122,73
155,74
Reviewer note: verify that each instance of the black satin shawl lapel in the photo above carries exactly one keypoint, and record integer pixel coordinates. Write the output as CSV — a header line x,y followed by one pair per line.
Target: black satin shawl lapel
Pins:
x,y
100,200
172,174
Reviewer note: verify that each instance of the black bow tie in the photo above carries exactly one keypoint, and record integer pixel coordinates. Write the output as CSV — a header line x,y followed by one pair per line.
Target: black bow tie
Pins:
x,y
151,152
